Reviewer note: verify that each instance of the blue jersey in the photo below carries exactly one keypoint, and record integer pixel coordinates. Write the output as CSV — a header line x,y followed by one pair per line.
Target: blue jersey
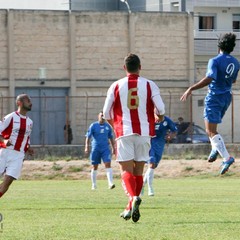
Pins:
x,y
223,69
161,129
100,134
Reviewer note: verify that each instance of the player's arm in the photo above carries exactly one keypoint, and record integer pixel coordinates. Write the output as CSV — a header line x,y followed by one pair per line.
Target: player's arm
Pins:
x,y
170,135
202,83
158,102
30,150
113,145
3,125
87,141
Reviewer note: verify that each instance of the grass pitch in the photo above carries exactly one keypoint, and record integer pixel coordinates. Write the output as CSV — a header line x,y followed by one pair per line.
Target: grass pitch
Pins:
x,y
184,208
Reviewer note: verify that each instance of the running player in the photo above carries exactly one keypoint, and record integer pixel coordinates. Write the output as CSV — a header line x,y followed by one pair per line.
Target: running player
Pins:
x,y
165,131
129,108
101,133
222,71
15,130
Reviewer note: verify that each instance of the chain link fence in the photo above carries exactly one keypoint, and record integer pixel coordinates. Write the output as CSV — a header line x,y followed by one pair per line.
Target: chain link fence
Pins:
x,y
51,115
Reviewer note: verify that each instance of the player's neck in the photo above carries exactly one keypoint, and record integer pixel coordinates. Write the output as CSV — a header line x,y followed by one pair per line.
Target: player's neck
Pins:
x,y
22,112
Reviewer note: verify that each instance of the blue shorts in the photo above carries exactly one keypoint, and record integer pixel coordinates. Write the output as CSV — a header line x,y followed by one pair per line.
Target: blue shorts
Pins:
x,y
155,157
216,106
97,155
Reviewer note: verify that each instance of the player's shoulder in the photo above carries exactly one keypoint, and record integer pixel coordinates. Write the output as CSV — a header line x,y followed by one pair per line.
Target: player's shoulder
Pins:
x,y
93,124
10,115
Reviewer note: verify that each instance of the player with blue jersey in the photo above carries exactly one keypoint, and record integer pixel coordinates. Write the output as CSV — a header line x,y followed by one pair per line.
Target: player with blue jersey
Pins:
x,y
165,131
101,134
222,72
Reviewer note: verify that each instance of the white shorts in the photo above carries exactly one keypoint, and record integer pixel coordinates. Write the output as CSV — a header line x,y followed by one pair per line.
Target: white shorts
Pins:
x,y
133,147
11,162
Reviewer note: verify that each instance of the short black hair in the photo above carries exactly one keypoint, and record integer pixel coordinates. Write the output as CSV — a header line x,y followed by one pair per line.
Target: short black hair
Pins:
x,y
132,63
226,42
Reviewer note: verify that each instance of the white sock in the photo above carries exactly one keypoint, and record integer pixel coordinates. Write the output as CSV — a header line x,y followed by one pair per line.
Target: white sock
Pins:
x,y
150,178
94,177
213,147
145,177
109,176
218,143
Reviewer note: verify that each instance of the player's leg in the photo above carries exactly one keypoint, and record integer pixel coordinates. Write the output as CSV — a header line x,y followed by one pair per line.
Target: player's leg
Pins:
x,y
129,186
215,108
106,156
95,161
94,176
125,155
142,148
7,181
150,177
148,172
11,164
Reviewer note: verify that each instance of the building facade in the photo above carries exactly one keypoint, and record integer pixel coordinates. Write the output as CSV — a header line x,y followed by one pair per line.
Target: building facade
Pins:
x,y
66,60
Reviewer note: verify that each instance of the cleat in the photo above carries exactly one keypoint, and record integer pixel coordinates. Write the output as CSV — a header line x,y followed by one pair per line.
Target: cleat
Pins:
x,y
150,192
126,214
135,208
213,155
226,165
112,186
94,187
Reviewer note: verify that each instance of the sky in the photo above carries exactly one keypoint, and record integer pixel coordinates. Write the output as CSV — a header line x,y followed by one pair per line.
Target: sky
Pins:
x,y
35,4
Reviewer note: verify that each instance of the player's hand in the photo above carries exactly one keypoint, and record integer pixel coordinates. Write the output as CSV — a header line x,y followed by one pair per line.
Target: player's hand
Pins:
x,y
114,151
168,138
86,150
30,151
7,142
186,95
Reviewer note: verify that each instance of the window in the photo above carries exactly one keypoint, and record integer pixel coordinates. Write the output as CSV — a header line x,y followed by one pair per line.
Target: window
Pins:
x,y
236,23
206,23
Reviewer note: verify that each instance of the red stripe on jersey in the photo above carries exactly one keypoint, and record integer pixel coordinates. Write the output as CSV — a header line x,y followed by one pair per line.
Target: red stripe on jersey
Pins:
x,y
21,134
117,111
150,110
132,102
6,133
26,145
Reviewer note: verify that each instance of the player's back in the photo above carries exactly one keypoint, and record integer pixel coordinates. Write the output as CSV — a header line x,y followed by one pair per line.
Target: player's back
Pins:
x,y
225,71
133,106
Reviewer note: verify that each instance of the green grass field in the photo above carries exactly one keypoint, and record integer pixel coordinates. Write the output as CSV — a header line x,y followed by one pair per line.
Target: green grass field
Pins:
x,y
185,208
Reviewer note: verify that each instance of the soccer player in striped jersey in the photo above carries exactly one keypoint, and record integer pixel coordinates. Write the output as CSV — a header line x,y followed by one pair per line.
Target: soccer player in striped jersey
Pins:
x,y
129,108
222,72
15,130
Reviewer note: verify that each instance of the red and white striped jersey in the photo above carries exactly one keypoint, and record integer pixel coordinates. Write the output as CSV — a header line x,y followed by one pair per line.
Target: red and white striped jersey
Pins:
x,y
130,104
17,128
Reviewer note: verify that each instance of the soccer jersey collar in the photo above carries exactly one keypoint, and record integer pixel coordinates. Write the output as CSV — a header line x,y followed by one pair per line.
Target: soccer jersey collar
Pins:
x,y
132,75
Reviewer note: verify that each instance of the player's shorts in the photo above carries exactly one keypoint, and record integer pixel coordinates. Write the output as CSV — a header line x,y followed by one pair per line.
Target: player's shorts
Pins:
x,y
216,106
154,157
133,147
11,162
97,155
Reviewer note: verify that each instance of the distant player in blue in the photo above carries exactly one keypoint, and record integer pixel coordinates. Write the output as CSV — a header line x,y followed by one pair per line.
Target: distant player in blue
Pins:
x,y
101,134
165,131
221,73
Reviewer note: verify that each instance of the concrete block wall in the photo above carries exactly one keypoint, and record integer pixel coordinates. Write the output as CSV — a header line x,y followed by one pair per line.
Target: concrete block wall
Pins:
x,y
84,52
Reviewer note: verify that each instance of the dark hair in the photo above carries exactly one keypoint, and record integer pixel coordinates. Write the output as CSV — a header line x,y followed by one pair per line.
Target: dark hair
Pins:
x,y
226,42
132,63
21,97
